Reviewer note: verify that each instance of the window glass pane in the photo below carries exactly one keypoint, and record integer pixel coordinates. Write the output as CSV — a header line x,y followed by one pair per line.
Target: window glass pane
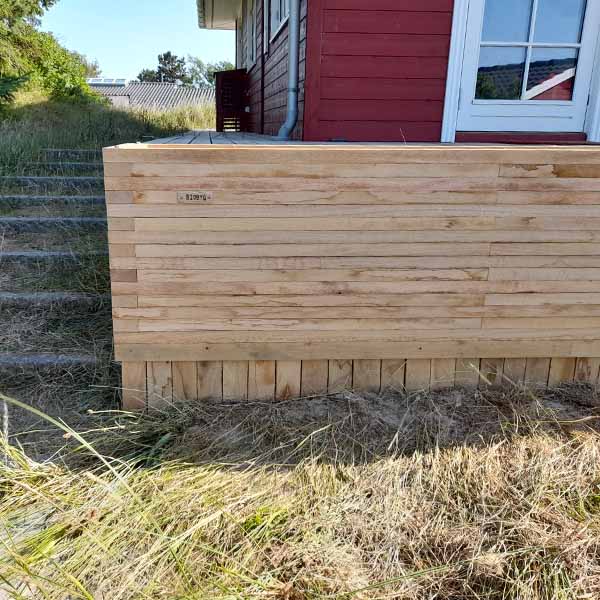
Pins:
x,y
551,74
506,20
559,21
500,74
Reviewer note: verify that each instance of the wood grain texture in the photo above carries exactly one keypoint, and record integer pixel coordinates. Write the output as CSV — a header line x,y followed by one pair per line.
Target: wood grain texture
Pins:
x,y
367,375
133,384
537,371
418,374
261,379
467,372
160,384
340,376
443,373
393,375
586,370
514,371
288,378
235,380
315,375
185,381
562,370
308,265
210,380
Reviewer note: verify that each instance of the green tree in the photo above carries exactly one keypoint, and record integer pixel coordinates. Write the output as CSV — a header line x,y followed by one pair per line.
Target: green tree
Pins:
x,y
172,68
8,89
203,74
148,75
91,67
12,11
27,52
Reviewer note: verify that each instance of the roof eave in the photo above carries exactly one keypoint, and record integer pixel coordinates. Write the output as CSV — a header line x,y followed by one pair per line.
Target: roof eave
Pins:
x,y
217,14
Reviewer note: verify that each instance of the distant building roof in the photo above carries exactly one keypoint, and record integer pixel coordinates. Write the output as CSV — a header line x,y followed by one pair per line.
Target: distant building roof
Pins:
x,y
154,95
106,81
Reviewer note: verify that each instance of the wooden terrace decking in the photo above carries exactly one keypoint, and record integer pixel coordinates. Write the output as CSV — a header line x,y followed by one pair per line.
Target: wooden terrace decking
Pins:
x,y
221,138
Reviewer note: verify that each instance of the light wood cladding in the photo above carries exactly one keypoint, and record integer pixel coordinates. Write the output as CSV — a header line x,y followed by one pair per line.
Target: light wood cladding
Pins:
x,y
309,269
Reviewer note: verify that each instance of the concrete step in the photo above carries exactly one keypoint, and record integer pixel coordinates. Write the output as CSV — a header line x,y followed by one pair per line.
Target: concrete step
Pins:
x,y
22,200
72,154
60,300
65,168
45,224
13,361
35,271
48,255
60,185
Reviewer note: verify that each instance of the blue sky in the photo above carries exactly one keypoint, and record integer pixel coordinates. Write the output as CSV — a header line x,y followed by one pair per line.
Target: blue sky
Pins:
x,y
125,36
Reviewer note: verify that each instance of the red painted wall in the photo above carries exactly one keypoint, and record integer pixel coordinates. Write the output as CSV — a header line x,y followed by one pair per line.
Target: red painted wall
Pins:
x,y
376,70
268,92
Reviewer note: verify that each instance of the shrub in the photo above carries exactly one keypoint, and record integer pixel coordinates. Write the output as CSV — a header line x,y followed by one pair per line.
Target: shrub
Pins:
x,y
8,88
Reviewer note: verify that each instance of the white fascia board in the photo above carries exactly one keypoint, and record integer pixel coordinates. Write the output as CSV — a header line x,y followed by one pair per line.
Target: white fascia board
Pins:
x,y
217,14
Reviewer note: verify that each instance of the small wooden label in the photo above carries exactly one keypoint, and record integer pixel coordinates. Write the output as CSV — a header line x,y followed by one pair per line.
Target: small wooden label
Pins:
x,y
194,197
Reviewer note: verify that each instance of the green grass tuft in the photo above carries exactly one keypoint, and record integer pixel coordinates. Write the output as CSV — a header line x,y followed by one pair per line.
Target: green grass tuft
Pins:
x,y
121,514
35,123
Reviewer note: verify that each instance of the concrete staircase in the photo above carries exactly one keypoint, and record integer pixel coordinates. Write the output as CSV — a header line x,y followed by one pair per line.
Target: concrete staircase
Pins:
x,y
54,284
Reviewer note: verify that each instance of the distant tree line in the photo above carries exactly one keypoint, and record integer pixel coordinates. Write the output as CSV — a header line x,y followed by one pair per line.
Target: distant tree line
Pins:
x,y
193,71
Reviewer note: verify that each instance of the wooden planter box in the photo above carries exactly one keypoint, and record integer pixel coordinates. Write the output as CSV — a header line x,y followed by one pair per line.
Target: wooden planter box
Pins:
x,y
274,271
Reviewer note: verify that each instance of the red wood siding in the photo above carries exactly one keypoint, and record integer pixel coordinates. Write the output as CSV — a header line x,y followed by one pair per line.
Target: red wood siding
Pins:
x,y
268,107
376,71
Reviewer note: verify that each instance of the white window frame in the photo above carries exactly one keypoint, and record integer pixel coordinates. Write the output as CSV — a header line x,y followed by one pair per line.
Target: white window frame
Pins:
x,y
279,12
249,25
458,61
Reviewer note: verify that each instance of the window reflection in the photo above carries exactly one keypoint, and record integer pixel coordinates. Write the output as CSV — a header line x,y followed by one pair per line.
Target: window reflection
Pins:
x,y
500,73
551,74
520,41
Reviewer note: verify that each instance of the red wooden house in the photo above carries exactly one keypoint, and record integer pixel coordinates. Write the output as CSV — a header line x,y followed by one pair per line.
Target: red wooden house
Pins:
x,y
417,70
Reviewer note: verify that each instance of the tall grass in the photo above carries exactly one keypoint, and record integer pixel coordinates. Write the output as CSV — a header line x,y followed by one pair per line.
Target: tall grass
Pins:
x,y
515,515
35,123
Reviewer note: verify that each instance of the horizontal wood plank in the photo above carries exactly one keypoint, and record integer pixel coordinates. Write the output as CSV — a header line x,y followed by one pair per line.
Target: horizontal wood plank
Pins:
x,y
316,267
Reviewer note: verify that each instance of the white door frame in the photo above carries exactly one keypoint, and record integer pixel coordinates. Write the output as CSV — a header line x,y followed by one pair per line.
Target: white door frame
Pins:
x,y
454,79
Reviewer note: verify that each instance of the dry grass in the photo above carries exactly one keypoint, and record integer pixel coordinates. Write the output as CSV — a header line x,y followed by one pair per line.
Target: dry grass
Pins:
x,y
36,123
492,495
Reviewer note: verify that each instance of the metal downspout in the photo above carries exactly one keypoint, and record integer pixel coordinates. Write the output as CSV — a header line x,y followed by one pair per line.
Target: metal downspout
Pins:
x,y
293,71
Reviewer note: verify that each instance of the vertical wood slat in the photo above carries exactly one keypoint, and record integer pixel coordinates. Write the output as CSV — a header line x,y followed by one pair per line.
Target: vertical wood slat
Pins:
x,y
443,373
514,371
160,384
418,374
210,380
393,375
340,376
537,371
561,370
156,384
467,372
367,375
133,384
235,379
185,381
261,379
491,372
288,376
586,370
314,377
